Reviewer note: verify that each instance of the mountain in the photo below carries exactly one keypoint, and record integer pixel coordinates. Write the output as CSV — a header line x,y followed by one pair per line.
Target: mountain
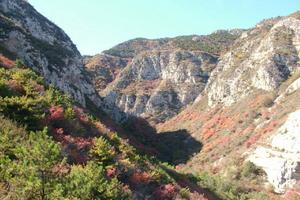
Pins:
x,y
27,35
192,117
240,103
249,108
55,140
155,79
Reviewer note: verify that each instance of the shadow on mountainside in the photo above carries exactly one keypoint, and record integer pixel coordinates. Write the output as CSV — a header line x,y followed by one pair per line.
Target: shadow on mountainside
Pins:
x,y
175,147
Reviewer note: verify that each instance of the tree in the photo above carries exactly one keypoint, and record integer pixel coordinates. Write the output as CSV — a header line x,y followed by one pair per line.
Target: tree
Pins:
x,y
32,170
89,182
102,151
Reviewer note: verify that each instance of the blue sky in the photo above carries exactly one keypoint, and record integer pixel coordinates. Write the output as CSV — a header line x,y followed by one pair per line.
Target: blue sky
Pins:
x,y
96,25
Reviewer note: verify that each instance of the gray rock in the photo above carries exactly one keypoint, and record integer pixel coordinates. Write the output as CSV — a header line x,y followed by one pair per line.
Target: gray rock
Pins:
x,y
46,48
157,84
281,158
262,58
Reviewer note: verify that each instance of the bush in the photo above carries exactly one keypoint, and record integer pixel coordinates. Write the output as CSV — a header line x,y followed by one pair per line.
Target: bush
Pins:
x,y
249,170
89,182
184,193
102,151
26,111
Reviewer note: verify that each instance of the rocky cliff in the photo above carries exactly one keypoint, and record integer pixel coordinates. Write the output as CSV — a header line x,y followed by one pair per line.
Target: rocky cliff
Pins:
x,y
42,45
249,109
158,84
264,57
154,79
234,94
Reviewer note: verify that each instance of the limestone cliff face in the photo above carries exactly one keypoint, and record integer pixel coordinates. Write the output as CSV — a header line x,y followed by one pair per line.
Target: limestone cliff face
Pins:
x,y
157,84
262,58
280,159
156,78
46,48
250,106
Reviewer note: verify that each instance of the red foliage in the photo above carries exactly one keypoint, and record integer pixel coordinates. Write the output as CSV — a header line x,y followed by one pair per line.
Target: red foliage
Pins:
x,y
207,133
111,172
5,62
266,115
164,192
56,113
252,140
81,116
73,146
292,194
140,177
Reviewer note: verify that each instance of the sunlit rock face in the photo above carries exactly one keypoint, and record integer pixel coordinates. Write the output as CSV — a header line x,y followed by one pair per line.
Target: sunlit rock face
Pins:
x,y
156,78
46,48
281,159
262,58
157,84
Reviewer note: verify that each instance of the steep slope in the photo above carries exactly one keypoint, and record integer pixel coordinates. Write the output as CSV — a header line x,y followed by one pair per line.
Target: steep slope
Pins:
x,y
46,48
249,110
158,84
104,68
263,59
161,76
52,149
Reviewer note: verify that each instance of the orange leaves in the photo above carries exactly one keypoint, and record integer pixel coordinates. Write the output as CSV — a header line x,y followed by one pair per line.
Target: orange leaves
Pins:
x,y
140,178
15,86
5,62
56,113
207,133
81,116
252,140
167,191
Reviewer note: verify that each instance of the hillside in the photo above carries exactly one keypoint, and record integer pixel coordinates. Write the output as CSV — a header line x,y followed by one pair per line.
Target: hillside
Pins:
x,y
53,149
249,110
192,117
241,105
41,45
149,78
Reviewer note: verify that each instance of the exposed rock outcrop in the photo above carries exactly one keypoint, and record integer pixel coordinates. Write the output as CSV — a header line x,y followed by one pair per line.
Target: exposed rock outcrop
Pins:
x,y
281,158
162,77
157,84
46,48
262,58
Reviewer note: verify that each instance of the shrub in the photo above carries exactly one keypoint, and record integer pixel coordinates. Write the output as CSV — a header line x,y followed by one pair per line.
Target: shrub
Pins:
x,y
167,191
185,193
102,151
56,113
30,171
140,178
249,169
19,64
89,182
26,111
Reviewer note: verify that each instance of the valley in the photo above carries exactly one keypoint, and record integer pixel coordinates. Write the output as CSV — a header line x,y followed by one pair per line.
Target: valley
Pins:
x,y
190,117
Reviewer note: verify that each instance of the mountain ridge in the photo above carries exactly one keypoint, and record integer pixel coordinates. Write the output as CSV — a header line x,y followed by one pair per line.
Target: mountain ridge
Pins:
x,y
222,109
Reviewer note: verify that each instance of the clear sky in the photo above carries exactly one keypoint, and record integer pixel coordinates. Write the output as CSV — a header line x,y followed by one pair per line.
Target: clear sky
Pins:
x,y
96,25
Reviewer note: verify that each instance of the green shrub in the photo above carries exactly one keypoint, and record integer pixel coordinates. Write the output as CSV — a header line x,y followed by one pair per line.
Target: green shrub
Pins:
x,y
249,169
184,193
102,151
89,182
